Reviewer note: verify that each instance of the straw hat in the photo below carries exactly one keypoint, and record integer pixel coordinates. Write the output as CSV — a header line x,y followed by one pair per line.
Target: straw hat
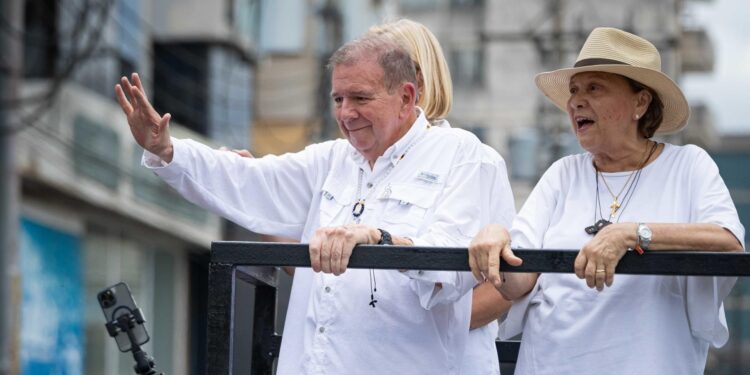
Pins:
x,y
616,51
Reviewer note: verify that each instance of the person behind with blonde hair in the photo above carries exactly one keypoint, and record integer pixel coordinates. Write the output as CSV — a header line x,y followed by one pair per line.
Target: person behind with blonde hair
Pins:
x,y
436,99
433,75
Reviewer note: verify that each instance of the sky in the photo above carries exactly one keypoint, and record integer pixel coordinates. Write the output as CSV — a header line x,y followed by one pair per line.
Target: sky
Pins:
x,y
727,89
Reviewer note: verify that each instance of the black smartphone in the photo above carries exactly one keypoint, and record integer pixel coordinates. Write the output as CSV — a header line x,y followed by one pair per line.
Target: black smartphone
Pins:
x,y
116,301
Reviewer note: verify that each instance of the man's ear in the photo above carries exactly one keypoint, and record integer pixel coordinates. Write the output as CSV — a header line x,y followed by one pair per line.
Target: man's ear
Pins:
x,y
408,96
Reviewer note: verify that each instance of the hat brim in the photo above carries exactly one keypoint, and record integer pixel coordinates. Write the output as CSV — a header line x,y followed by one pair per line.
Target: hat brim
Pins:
x,y
555,85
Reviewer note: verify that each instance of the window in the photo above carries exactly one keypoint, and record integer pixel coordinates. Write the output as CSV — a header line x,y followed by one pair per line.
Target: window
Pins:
x,y
467,67
230,92
40,36
180,76
128,46
245,18
466,4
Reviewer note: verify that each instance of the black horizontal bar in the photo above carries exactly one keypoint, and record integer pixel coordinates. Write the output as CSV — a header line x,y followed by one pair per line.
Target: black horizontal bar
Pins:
x,y
447,258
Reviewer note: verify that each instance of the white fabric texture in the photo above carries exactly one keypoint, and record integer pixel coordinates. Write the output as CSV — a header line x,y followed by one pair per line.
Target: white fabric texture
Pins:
x,y
642,324
498,207
330,328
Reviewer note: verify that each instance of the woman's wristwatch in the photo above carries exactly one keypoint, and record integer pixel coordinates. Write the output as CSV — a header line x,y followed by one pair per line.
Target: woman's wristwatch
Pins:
x,y
644,238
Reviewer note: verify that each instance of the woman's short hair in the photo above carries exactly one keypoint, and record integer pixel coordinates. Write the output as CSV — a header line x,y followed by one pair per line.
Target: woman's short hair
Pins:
x,y
436,97
651,120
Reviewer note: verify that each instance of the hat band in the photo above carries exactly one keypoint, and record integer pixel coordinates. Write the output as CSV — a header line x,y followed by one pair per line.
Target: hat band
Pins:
x,y
597,61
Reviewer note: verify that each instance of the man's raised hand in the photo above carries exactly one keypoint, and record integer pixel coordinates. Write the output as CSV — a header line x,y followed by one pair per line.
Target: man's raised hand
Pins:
x,y
150,130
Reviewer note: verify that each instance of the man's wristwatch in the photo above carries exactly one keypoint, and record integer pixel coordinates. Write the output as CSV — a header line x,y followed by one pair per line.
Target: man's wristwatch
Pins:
x,y
644,238
385,237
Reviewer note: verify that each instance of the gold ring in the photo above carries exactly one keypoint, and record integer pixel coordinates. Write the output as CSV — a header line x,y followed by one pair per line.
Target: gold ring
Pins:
x,y
597,271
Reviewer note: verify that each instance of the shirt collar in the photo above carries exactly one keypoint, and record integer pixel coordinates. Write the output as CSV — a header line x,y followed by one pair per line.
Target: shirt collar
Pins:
x,y
398,149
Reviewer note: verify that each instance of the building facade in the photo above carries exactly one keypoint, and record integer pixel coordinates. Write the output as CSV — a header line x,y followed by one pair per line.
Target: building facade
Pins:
x,y
90,215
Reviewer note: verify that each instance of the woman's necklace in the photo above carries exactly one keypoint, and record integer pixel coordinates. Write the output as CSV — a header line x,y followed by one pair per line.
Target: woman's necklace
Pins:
x,y
615,202
601,223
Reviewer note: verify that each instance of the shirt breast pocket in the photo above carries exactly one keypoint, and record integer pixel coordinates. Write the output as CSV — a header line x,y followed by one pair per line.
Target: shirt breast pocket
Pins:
x,y
406,206
334,198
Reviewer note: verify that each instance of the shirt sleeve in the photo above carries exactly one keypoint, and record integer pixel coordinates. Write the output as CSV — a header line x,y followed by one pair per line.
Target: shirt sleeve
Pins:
x,y
533,220
705,295
528,231
454,224
269,195
498,204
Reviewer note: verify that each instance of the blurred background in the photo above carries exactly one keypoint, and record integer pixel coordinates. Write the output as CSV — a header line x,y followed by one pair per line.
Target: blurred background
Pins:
x,y
78,214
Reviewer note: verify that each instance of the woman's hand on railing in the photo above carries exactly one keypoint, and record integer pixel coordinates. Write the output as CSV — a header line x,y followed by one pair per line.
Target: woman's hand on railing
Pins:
x,y
488,246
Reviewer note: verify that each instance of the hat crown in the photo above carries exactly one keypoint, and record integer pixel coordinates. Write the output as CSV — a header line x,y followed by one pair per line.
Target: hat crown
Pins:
x,y
606,43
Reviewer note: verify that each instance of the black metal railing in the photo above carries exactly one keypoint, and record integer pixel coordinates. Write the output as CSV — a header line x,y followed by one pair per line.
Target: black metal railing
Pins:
x,y
248,262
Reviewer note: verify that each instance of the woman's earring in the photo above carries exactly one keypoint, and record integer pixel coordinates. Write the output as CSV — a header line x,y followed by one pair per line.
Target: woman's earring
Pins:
x,y
637,116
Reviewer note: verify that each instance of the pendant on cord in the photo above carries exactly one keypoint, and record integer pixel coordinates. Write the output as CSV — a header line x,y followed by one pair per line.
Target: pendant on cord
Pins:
x,y
613,209
373,301
358,208
599,225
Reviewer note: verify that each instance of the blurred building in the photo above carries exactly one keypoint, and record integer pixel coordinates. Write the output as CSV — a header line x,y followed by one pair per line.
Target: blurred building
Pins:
x,y
294,105
249,74
90,215
732,155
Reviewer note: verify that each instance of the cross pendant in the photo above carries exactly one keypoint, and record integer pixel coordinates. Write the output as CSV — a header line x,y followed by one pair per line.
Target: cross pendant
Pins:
x,y
613,207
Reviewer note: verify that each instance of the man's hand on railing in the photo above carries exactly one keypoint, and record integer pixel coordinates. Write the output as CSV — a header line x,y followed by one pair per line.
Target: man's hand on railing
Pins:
x,y
331,247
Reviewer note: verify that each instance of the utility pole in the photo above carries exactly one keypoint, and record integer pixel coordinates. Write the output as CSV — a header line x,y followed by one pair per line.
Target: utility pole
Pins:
x,y
10,76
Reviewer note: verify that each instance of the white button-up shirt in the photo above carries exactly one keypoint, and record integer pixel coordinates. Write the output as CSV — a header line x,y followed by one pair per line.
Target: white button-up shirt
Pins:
x,y
425,187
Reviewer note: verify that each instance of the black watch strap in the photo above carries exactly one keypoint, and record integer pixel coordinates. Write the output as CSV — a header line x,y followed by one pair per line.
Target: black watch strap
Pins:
x,y
385,237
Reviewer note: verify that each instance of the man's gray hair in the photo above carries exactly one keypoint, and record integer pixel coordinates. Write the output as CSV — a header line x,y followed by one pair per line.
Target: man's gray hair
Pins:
x,y
395,61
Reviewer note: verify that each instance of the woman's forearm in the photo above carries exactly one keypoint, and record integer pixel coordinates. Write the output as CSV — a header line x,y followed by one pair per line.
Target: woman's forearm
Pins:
x,y
696,237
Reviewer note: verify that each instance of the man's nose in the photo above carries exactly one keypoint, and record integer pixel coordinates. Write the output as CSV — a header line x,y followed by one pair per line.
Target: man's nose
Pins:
x,y
348,110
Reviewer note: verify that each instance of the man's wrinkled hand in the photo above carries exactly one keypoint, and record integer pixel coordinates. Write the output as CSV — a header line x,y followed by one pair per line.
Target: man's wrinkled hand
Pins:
x,y
331,247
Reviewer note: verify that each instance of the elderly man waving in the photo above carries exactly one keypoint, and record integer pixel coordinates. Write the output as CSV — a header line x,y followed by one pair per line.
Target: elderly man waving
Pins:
x,y
394,180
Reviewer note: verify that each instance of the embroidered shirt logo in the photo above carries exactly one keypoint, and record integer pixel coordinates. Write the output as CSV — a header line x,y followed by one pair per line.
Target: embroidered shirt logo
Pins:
x,y
428,177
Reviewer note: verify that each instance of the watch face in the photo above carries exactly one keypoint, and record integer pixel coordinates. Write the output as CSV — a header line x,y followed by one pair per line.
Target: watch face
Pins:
x,y
644,231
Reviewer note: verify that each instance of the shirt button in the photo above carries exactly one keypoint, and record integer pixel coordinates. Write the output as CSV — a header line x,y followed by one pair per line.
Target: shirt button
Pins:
x,y
369,185
322,329
420,272
328,289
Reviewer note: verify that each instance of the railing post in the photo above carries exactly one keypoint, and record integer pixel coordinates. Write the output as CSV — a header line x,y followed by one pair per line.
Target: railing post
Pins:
x,y
265,347
220,317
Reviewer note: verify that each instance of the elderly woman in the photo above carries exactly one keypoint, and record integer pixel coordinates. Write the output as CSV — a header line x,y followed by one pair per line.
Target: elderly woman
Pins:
x,y
626,192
